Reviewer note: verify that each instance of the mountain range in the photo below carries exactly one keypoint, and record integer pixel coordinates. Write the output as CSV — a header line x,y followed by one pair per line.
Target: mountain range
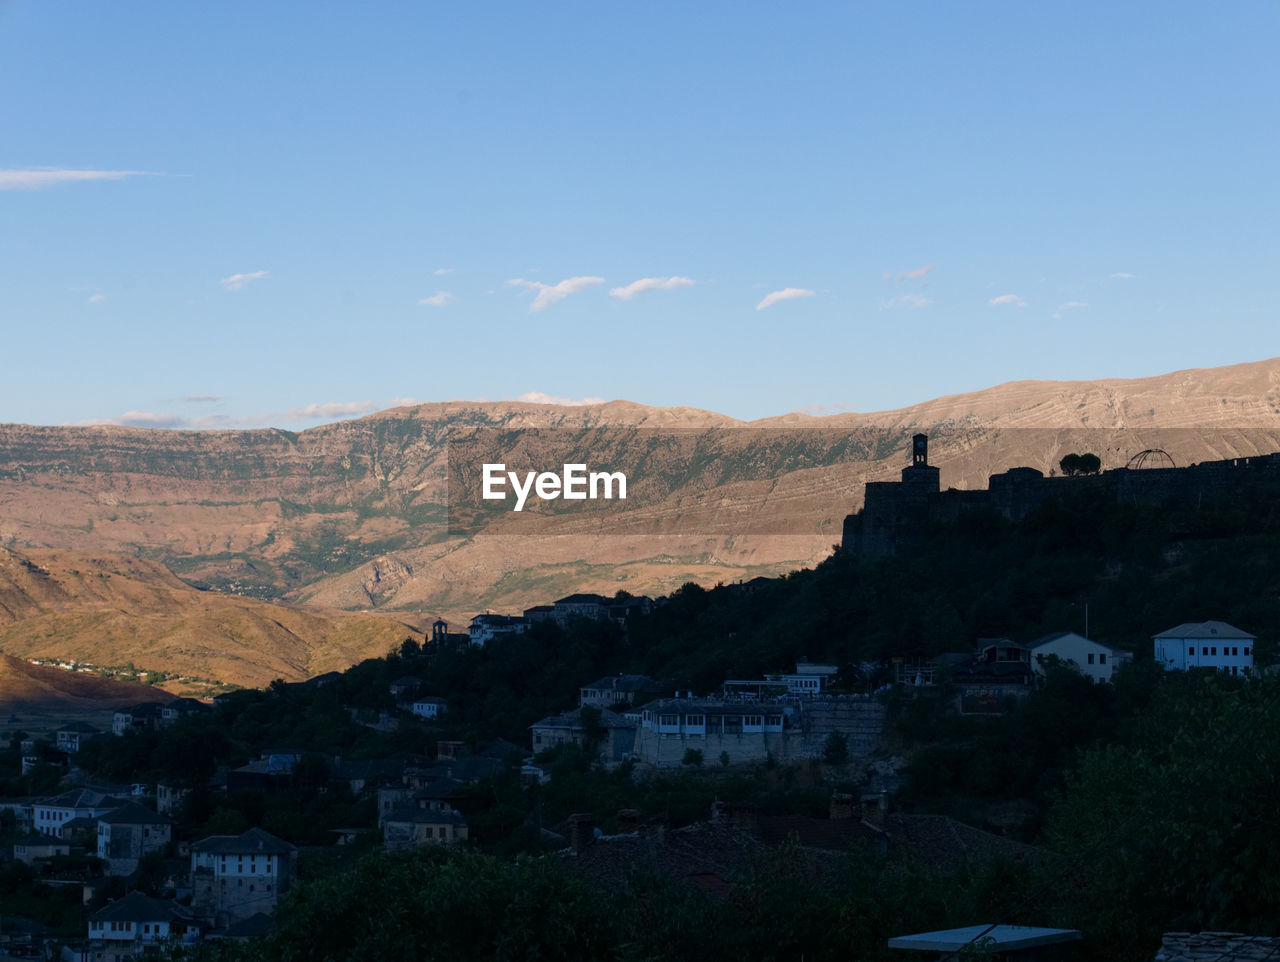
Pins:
x,y
246,555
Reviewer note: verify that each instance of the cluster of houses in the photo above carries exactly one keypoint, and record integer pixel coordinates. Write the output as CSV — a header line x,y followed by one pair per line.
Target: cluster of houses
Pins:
x,y
787,717
1000,672
223,886
485,627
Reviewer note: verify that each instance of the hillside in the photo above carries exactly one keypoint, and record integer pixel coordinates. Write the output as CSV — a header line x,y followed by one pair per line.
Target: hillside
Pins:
x,y
366,514
27,687
113,611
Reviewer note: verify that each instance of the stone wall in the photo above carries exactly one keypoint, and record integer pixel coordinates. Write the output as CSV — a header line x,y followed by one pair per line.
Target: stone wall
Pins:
x,y
1217,947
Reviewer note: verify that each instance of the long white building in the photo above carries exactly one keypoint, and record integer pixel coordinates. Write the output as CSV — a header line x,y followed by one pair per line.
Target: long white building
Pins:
x,y
1206,644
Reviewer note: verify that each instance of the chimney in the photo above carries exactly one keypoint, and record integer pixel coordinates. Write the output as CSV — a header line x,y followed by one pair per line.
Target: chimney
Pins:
x,y
582,831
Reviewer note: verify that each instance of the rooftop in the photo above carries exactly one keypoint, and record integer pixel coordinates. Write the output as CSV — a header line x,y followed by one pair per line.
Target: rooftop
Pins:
x,y
999,938
1206,629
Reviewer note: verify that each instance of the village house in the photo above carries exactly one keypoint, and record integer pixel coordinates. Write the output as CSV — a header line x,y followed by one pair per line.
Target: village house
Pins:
x,y
430,707
404,688
427,820
615,690
127,833
616,735
582,605
179,709
236,876
484,628
144,717
130,926
1091,658
30,848
1206,644
72,737
169,797
51,814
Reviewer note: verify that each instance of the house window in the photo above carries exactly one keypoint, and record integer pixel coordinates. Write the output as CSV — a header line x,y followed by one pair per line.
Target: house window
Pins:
x,y
672,721
1091,658
1235,651
1191,650
695,721
1246,652
1102,658
1214,651
773,721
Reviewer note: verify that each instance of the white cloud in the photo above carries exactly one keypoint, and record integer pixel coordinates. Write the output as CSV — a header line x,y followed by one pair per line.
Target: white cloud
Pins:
x,y
1121,276
1071,305
237,281
1004,299
441,271
786,294
203,398
97,298
910,301
636,288
438,299
549,294
38,178
327,411
915,274
537,397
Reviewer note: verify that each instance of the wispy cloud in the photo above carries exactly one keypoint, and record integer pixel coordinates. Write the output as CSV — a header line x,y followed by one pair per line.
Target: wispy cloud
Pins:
x,y
326,411
549,294
97,298
1121,276
537,397
915,274
786,294
40,178
1006,299
438,299
238,281
441,271
203,398
907,301
645,284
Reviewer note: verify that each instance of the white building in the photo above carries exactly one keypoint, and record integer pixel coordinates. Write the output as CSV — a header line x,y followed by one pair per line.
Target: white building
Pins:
x,y
50,814
234,877
429,707
1091,658
1206,644
810,678
132,925
484,628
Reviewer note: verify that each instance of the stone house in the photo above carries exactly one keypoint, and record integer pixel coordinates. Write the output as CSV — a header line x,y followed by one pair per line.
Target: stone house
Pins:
x,y
127,833
234,877
1207,644
616,734
130,926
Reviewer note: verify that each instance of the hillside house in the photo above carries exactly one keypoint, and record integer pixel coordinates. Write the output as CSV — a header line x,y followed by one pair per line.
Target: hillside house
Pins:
x,y
49,815
810,678
236,876
144,717
127,833
426,820
430,708
169,797
30,848
1205,644
613,691
179,709
484,628
616,734
71,738
130,926
582,605
1091,658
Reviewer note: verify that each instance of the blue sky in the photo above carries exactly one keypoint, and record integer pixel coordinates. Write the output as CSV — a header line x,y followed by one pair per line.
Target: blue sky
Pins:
x,y
247,214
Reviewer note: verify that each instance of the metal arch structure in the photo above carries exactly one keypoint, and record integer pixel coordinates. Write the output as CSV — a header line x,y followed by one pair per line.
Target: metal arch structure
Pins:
x,y
1151,458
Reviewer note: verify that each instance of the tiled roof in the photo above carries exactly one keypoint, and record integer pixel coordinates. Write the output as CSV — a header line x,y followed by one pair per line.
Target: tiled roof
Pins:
x,y
1206,629
136,907
253,842
131,813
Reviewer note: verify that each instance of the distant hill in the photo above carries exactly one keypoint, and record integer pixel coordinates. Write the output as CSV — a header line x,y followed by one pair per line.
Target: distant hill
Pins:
x,y
28,687
113,611
356,515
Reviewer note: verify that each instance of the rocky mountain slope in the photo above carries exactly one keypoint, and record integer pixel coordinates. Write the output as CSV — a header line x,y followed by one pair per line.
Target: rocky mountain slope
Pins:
x,y
366,514
114,611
